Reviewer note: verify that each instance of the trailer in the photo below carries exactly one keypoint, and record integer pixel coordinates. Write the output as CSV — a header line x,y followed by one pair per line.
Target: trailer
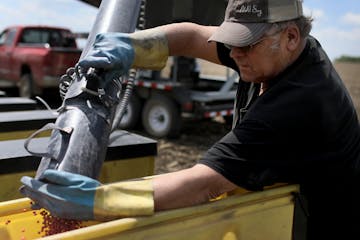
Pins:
x,y
160,103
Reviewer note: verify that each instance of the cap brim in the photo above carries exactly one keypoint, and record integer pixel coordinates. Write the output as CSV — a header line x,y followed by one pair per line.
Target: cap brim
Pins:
x,y
239,34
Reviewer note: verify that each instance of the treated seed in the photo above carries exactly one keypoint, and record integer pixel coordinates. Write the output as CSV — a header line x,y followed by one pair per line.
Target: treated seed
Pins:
x,y
54,225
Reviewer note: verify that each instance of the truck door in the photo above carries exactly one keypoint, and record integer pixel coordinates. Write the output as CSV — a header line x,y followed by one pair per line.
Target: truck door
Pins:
x,y
6,45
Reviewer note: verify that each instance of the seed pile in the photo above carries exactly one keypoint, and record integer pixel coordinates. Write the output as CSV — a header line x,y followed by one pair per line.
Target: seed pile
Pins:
x,y
54,225
50,225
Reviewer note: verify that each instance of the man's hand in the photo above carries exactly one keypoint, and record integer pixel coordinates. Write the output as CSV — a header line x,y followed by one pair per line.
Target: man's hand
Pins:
x,y
64,194
112,52
118,52
73,196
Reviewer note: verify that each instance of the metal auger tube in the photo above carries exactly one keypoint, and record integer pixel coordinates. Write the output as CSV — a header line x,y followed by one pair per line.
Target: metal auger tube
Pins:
x,y
80,135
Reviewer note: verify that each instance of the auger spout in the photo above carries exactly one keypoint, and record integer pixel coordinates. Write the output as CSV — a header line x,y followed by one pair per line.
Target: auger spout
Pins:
x,y
80,135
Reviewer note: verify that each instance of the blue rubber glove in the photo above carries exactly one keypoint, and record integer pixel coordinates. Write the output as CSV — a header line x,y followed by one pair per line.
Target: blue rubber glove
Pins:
x,y
73,196
110,52
116,53
64,194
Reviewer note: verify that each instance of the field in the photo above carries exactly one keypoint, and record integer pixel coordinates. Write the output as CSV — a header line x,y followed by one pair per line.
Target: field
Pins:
x,y
350,73
198,136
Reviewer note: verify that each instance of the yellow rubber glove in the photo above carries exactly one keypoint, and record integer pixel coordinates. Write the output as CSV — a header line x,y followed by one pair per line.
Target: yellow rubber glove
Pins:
x,y
151,49
73,196
124,199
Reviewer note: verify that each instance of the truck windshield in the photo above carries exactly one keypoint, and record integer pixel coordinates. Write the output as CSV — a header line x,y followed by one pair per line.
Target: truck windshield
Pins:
x,y
7,37
53,37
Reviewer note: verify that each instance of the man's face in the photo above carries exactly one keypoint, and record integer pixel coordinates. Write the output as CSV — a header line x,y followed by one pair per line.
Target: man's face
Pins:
x,y
263,60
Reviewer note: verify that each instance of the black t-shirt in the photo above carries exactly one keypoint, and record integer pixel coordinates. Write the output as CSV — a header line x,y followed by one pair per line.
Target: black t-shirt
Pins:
x,y
303,129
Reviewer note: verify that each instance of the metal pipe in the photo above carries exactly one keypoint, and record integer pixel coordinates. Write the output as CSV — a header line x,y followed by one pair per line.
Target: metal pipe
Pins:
x,y
79,141
114,16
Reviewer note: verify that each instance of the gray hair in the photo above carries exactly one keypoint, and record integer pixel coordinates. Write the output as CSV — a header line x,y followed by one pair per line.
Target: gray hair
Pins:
x,y
303,23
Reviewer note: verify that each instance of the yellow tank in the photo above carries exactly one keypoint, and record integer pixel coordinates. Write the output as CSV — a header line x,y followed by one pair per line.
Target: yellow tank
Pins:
x,y
21,124
250,215
128,156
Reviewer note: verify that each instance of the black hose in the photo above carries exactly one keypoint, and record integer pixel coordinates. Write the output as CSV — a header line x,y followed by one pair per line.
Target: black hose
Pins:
x,y
132,75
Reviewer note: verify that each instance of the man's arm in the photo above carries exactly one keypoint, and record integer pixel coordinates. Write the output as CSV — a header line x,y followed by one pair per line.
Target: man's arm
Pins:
x,y
73,196
116,53
190,39
189,187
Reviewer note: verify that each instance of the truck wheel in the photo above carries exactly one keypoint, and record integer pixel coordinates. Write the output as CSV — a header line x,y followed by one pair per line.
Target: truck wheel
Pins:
x,y
161,117
25,86
132,113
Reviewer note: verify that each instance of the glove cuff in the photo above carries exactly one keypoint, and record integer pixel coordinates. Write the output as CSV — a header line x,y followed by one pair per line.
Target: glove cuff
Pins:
x,y
151,49
124,199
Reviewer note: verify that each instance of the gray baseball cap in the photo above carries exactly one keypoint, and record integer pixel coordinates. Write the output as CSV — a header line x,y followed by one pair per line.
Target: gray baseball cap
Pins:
x,y
246,21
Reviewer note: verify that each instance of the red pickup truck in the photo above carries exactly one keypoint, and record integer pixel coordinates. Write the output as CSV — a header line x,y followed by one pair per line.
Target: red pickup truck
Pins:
x,y
34,57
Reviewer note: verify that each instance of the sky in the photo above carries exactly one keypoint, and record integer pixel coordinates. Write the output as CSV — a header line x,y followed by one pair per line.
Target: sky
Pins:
x,y
336,23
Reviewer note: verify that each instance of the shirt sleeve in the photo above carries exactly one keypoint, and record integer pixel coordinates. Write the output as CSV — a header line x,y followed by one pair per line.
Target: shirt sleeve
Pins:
x,y
224,57
249,156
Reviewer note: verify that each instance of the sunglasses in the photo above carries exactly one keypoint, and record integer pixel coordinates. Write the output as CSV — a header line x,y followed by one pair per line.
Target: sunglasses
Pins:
x,y
248,48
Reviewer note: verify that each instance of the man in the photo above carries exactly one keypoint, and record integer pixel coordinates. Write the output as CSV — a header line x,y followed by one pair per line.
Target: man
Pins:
x,y
295,121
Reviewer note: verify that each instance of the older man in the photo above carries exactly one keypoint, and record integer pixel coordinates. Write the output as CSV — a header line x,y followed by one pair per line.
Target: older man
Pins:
x,y
294,121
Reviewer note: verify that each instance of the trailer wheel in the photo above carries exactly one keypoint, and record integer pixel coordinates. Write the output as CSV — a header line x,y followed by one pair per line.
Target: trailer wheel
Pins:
x,y
26,86
161,117
132,113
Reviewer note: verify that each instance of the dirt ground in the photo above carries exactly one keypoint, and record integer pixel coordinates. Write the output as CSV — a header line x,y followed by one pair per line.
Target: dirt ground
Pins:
x,y
184,152
350,73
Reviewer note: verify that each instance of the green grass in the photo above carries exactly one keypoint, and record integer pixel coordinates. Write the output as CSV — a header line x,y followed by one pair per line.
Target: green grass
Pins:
x,y
346,58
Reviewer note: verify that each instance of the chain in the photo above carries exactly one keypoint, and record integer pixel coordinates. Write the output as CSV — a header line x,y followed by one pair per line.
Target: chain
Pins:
x,y
67,79
65,82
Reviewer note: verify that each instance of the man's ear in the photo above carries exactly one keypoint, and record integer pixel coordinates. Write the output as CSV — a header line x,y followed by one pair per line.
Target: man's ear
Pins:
x,y
293,38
